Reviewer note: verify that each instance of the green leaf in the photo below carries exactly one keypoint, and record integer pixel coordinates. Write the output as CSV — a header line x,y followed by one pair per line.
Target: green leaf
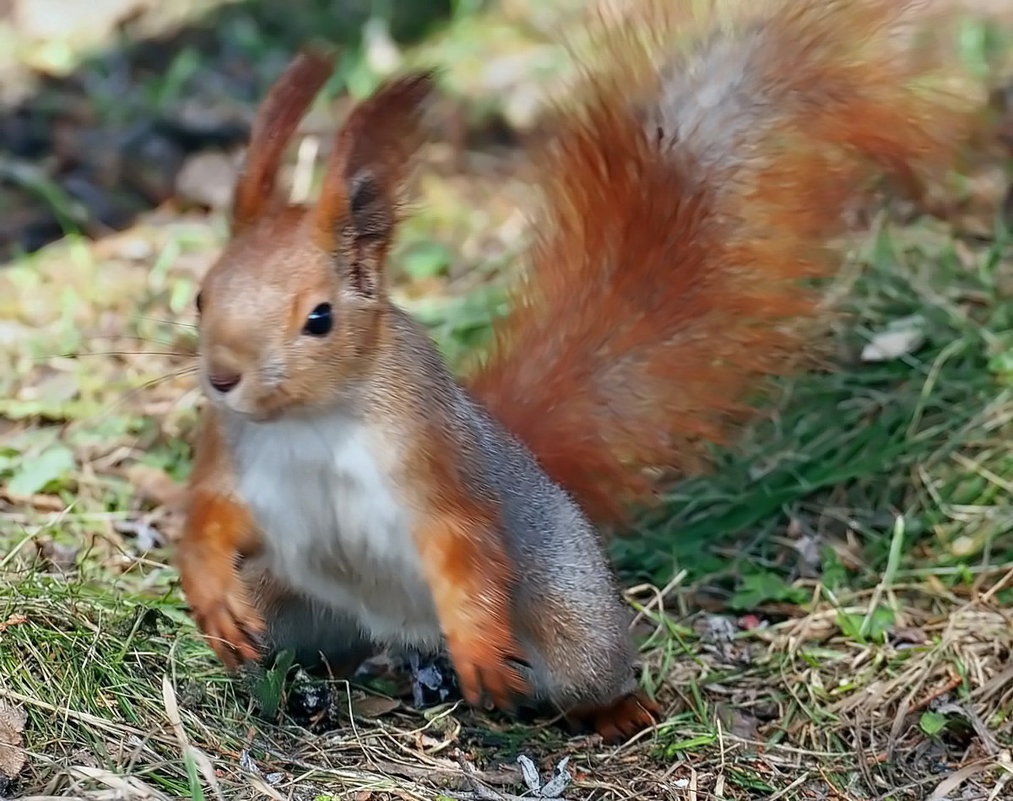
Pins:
x,y
270,685
850,625
35,474
427,260
1001,364
759,587
833,573
879,623
689,744
932,723
869,627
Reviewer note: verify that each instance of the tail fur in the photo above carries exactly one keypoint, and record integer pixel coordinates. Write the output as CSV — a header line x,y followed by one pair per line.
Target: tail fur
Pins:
x,y
688,197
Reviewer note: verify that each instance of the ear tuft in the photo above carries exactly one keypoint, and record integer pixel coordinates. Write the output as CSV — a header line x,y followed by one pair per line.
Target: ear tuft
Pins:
x,y
365,191
277,118
366,173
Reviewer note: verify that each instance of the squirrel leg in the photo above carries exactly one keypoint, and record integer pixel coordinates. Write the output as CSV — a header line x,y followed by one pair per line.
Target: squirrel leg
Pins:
x,y
217,532
585,667
469,577
323,640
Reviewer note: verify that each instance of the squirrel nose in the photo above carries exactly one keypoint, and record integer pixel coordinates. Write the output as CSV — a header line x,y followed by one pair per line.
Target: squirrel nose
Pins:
x,y
223,380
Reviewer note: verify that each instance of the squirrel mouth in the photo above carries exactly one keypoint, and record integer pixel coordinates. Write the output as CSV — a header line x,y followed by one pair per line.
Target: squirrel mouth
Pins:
x,y
257,412
260,415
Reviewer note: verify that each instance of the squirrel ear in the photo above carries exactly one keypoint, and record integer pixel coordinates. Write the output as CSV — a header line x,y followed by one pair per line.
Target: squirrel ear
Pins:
x,y
277,118
365,177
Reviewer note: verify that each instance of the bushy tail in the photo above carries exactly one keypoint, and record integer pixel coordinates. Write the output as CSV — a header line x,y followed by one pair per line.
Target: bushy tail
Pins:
x,y
688,197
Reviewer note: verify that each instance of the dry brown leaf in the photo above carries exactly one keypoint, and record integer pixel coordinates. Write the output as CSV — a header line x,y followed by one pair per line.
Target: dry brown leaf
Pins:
x,y
155,485
57,556
12,755
14,620
373,706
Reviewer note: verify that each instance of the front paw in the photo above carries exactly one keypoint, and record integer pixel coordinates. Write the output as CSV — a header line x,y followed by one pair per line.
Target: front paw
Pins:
x,y
221,608
487,668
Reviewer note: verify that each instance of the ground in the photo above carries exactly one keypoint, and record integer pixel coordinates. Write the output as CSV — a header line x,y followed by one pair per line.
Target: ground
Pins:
x,y
824,615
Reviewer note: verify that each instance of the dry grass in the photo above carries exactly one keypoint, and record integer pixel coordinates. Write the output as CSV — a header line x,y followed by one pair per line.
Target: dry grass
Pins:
x,y
825,617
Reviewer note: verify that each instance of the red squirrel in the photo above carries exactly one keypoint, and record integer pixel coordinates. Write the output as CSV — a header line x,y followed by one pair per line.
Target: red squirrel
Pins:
x,y
348,493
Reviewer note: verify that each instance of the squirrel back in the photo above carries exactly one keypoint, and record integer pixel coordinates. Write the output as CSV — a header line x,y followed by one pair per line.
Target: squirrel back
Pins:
x,y
689,196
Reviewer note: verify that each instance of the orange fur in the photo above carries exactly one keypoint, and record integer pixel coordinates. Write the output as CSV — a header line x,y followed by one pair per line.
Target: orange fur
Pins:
x,y
472,600
218,531
662,291
460,544
619,720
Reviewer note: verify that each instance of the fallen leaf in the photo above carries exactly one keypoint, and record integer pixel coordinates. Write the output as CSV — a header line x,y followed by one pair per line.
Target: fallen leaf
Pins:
x,y
34,474
715,628
14,620
530,773
809,556
12,755
898,339
155,485
147,536
58,558
560,780
373,706
739,722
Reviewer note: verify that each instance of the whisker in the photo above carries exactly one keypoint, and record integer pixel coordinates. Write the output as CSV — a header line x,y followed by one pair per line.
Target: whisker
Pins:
x,y
189,396
115,353
163,321
154,382
165,343
152,340
132,393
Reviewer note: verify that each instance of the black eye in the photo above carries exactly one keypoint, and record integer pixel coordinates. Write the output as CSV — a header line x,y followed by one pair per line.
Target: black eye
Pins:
x,y
200,302
320,321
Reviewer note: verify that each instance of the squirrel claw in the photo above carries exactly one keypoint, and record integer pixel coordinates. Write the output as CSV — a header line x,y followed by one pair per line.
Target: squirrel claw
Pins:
x,y
489,673
232,628
618,721
498,687
234,637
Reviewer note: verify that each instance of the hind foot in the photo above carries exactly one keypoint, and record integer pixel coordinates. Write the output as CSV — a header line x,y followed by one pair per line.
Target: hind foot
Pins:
x,y
617,721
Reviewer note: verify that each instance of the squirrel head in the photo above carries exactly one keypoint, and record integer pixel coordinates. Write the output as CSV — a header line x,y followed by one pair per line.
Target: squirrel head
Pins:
x,y
292,313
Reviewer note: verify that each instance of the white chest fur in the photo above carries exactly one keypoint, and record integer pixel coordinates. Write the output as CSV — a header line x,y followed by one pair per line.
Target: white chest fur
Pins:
x,y
333,527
